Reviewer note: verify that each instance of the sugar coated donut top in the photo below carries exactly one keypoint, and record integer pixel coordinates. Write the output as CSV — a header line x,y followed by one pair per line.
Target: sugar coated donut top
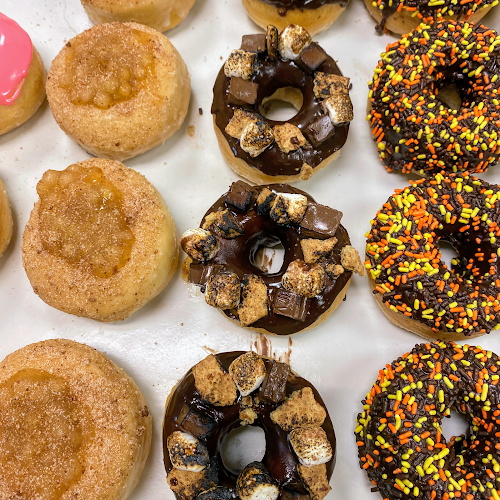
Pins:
x,y
399,435
405,261
415,132
16,52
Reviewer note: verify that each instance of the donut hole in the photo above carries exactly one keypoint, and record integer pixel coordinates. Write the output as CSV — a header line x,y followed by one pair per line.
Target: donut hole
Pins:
x,y
242,446
450,96
449,254
267,254
454,425
282,105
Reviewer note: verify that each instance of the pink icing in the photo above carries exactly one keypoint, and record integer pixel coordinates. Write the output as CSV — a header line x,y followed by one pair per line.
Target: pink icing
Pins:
x,y
16,52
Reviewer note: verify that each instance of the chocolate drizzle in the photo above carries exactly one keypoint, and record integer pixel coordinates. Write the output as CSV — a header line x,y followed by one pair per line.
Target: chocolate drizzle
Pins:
x,y
303,4
280,459
271,76
237,255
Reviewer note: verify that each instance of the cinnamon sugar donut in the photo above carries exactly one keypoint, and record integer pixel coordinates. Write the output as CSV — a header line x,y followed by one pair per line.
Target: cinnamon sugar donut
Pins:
x,y
161,15
314,15
100,242
119,90
22,76
72,425
6,223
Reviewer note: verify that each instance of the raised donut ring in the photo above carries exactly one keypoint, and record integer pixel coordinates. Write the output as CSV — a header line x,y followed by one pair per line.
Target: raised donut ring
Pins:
x,y
317,265
314,15
72,424
222,393
400,441
289,68
414,130
411,283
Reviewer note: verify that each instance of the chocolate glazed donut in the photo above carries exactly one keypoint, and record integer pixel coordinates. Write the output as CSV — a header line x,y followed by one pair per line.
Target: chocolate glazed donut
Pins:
x,y
314,15
311,139
187,411
248,212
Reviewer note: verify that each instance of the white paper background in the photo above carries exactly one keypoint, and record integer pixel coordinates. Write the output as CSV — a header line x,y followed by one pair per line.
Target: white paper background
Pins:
x,y
158,344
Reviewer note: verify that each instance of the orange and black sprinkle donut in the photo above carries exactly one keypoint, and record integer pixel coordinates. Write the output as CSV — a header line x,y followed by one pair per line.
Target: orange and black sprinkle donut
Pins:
x,y
414,130
404,259
399,435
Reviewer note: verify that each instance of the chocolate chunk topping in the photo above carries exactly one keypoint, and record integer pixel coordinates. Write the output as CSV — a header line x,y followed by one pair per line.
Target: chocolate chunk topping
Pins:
x,y
240,195
242,91
320,221
254,43
200,426
320,130
274,385
290,304
311,58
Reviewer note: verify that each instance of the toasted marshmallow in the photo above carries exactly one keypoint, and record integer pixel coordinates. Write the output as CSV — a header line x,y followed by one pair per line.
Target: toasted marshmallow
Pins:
x,y
224,223
339,108
254,300
248,372
223,291
350,259
241,64
288,137
217,493
240,120
256,138
328,84
311,446
293,40
255,483
265,201
272,41
288,208
304,279
186,452
199,244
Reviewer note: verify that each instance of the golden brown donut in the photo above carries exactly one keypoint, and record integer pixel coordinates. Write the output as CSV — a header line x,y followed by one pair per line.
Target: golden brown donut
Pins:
x,y
314,20
161,15
22,76
119,89
100,241
72,425
6,223
403,21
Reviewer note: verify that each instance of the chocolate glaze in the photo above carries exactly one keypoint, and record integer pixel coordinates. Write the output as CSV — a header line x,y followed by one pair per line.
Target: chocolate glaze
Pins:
x,y
236,255
303,4
271,76
280,459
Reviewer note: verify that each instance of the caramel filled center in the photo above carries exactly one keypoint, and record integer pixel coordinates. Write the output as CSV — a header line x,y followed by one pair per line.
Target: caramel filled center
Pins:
x,y
108,69
41,437
82,220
